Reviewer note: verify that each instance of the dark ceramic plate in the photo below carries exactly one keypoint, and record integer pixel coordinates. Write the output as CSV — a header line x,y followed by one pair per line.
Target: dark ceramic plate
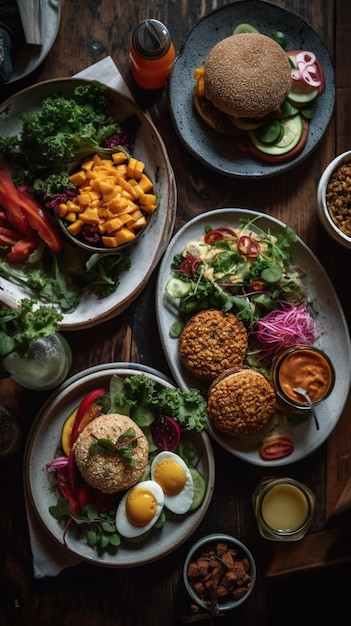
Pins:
x,y
215,150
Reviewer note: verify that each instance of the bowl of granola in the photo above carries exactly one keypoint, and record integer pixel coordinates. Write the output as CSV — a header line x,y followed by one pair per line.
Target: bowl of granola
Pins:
x,y
334,199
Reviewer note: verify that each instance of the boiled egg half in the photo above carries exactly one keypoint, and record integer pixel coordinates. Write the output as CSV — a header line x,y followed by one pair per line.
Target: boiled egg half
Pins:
x,y
139,509
173,475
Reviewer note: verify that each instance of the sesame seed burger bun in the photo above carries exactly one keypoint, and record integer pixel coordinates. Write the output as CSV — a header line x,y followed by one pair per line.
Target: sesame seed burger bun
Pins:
x,y
247,75
109,471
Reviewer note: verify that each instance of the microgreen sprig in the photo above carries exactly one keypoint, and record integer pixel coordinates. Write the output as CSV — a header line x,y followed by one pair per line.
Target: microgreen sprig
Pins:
x,y
124,445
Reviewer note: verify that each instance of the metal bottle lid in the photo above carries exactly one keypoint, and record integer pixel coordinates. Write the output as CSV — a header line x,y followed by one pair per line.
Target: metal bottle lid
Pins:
x,y
151,39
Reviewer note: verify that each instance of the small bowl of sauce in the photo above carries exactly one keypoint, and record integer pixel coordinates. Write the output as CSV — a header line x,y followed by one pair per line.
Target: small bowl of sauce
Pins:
x,y
303,367
283,508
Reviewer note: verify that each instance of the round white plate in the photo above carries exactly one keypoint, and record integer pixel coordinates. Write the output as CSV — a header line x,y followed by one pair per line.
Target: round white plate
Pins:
x,y
148,249
210,147
333,335
41,448
30,56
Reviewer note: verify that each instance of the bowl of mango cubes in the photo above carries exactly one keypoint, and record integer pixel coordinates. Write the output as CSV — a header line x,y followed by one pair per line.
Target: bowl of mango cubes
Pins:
x,y
113,201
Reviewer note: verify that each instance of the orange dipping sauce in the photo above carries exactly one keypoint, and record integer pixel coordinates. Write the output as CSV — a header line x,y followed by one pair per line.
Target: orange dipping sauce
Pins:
x,y
306,367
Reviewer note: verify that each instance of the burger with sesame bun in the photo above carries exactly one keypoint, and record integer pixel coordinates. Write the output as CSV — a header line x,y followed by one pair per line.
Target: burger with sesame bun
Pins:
x,y
246,89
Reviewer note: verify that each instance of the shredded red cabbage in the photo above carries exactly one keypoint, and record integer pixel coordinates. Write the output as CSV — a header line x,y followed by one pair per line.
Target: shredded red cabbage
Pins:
x,y
289,325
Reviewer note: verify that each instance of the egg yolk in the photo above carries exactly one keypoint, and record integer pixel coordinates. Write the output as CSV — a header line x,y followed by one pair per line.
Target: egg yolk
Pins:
x,y
141,507
170,476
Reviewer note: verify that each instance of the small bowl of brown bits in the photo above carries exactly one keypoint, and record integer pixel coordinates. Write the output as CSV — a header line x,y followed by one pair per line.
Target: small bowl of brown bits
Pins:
x,y
219,574
334,199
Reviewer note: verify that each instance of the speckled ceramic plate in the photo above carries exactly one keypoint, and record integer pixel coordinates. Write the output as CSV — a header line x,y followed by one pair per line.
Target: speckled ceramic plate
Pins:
x,y
217,151
29,57
333,336
148,249
42,446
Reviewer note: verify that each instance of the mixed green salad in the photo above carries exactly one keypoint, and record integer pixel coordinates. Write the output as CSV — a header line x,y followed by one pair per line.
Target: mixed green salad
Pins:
x,y
246,270
34,176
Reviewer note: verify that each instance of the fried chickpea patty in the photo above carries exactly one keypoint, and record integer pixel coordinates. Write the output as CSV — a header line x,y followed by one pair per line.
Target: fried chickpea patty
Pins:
x,y
240,403
109,471
211,342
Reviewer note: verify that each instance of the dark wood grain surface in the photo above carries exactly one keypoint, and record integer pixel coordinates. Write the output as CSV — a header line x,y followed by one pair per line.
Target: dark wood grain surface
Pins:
x,y
153,595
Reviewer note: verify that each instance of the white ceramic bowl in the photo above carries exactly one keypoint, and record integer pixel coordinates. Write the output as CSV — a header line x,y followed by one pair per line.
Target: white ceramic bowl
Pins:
x,y
322,209
199,548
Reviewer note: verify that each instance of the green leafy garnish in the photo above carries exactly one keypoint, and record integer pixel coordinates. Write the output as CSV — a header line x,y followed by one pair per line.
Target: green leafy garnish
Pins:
x,y
225,277
140,398
19,326
125,445
62,131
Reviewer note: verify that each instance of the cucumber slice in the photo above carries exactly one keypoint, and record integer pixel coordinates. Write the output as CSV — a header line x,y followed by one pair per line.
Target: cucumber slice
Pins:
x,y
293,128
177,288
199,488
245,28
270,132
244,123
298,97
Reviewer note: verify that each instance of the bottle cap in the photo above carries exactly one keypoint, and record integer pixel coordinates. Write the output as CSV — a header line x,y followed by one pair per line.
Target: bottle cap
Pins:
x,y
151,39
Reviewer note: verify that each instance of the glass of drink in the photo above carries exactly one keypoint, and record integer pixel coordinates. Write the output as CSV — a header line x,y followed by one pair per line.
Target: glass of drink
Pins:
x,y
283,508
46,365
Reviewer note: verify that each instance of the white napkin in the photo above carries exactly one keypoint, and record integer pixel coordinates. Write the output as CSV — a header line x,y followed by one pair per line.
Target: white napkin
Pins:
x,y
49,558
30,17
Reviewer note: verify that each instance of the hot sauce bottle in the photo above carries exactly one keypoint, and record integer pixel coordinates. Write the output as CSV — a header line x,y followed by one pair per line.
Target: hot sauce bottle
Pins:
x,y
151,54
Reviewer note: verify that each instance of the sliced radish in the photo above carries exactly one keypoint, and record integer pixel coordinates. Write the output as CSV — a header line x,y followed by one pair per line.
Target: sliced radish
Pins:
x,y
165,432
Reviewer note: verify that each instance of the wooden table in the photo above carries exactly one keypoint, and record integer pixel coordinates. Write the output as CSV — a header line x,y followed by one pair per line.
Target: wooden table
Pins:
x,y
153,595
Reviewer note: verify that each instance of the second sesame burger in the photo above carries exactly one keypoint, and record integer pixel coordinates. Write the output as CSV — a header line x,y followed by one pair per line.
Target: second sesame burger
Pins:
x,y
246,75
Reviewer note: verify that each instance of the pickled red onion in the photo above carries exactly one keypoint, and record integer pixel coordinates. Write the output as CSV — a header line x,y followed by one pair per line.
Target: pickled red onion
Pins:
x,y
288,326
306,69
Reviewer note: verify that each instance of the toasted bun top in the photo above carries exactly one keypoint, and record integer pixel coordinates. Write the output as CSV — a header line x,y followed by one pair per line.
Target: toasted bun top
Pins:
x,y
247,75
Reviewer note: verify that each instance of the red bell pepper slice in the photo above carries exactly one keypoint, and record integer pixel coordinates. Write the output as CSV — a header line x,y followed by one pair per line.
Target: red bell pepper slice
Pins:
x,y
10,202
40,221
26,215
82,409
21,250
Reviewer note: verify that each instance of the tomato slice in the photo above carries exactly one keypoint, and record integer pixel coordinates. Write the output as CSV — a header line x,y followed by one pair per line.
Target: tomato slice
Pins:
x,y
248,246
189,265
218,234
276,447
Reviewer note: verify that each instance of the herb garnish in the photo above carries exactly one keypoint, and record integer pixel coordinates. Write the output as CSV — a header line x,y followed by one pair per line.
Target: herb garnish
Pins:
x,y
124,445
